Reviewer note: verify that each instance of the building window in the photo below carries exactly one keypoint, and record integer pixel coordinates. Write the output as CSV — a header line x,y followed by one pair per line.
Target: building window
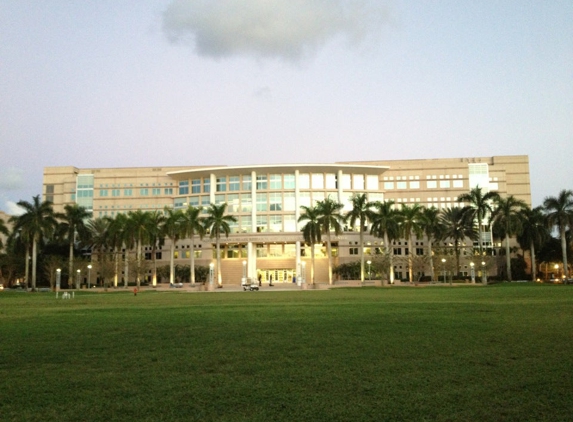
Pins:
x,y
156,191
49,188
276,223
262,224
458,183
262,182
246,202
247,183
317,181
331,181
168,191
127,192
115,192
103,192
304,181
276,181
432,184
289,181
358,181
275,201
415,185
234,184
419,251
372,182
289,201
183,187
143,192
353,251
221,184
206,185
401,185
388,185
444,184
196,186
262,199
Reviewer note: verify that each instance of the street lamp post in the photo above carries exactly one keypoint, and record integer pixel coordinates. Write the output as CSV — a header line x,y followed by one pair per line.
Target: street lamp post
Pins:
x,y
483,274
472,272
369,272
78,279
303,272
444,268
58,281
556,277
244,280
211,271
89,275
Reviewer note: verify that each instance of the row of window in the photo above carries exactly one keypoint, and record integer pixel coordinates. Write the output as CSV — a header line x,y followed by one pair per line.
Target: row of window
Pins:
x,y
129,192
430,184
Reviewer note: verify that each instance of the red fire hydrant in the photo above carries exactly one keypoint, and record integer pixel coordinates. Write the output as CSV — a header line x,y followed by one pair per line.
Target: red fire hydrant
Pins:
x,y
135,291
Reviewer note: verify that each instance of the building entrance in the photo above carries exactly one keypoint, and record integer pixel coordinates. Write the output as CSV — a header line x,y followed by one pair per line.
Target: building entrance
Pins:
x,y
281,275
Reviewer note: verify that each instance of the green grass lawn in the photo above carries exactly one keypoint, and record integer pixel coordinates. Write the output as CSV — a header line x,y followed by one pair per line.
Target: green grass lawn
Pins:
x,y
359,354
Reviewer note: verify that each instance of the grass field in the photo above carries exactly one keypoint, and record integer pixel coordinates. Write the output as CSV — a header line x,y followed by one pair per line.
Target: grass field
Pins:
x,y
360,354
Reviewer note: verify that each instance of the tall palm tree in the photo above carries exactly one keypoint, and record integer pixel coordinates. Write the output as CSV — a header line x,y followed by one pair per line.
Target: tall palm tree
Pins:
x,y
73,228
507,217
385,224
330,220
361,212
36,223
456,225
534,233
431,228
217,223
311,232
138,222
99,236
155,239
479,207
173,229
192,225
410,225
559,213
117,236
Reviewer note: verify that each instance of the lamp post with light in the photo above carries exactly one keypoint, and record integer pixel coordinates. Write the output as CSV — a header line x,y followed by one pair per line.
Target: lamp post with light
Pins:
x,y
211,273
89,275
58,281
472,272
244,279
369,270
78,279
444,268
483,274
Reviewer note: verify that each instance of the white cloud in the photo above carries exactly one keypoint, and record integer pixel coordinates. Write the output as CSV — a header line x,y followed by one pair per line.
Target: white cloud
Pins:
x,y
11,178
12,208
287,29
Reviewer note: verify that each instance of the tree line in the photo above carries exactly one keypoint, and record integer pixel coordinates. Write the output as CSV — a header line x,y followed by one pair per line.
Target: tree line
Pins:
x,y
117,242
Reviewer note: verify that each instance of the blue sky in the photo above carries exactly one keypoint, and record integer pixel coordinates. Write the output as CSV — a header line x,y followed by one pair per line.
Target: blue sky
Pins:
x,y
238,82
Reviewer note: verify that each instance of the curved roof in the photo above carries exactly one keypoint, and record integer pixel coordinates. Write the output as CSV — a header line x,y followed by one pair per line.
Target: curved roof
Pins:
x,y
278,168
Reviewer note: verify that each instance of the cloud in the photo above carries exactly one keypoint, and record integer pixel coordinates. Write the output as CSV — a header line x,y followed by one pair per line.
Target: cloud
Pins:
x,y
285,29
12,208
11,178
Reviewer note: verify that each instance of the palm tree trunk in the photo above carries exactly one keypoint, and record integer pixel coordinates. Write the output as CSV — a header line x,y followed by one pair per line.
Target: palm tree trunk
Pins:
x,y
312,263
564,251
34,257
172,263
329,253
27,264
71,262
192,266
431,260
533,266
126,269
410,259
154,276
361,252
390,257
219,278
507,258
116,268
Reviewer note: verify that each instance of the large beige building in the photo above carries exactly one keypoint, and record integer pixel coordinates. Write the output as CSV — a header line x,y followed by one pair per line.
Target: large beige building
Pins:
x,y
266,240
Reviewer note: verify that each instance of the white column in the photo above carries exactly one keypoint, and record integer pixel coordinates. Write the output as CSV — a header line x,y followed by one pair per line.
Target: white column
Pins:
x,y
213,188
254,201
296,201
339,176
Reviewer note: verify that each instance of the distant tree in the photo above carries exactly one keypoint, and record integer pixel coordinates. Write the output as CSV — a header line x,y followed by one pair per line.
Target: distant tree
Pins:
x,y
480,205
385,224
217,223
192,225
507,215
559,213
330,220
361,212
311,232
73,228
456,225
534,234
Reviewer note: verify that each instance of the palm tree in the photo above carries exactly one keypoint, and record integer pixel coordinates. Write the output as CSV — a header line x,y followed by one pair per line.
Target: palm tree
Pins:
x,y
192,225
138,222
4,231
330,220
410,225
385,225
155,239
217,223
100,242
73,227
479,207
311,232
456,225
361,211
507,217
559,213
431,228
173,229
533,234
37,222
118,236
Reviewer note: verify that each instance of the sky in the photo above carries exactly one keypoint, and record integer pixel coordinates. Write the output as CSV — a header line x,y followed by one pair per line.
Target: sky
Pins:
x,y
114,83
